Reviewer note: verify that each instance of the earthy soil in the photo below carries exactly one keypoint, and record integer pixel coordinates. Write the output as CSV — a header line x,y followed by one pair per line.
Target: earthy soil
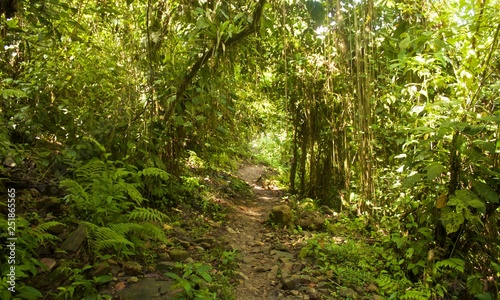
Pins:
x,y
245,232
248,235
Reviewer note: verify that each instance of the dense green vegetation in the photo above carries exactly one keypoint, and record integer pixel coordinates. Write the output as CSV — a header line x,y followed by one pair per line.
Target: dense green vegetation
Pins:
x,y
119,115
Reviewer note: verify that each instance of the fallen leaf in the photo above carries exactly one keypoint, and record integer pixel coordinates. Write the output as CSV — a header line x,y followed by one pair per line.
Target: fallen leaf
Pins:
x,y
441,201
120,286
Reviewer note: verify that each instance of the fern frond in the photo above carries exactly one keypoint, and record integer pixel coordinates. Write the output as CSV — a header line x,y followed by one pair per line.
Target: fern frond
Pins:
x,y
124,228
107,237
120,173
43,237
76,191
95,142
47,225
415,295
94,168
452,263
154,232
91,228
40,232
155,172
134,194
148,215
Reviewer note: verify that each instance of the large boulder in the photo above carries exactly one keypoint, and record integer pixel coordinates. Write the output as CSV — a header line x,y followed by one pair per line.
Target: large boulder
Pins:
x,y
281,215
310,220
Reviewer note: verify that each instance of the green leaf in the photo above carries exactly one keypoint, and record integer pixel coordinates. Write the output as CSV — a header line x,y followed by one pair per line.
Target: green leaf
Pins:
x,y
173,276
485,191
452,263
206,276
473,129
103,279
412,180
484,296
474,284
398,240
405,43
423,129
28,292
476,203
186,286
485,145
451,220
202,23
6,93
223,130
434,170
469,198
203,269
495,266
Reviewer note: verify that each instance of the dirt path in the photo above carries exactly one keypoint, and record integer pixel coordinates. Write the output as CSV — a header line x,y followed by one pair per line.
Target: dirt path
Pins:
x,y
249,236
262,251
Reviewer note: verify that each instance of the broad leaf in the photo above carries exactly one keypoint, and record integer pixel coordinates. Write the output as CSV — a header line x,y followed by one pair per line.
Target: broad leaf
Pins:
x,y
451,220
434,170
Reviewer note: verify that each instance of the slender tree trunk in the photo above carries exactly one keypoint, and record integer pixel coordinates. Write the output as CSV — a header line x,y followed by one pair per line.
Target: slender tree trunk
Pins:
x,y
303,158
295,152
312,141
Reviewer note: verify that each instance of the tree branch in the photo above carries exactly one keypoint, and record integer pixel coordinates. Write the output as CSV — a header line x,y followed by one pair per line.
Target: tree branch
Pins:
x,y
188,78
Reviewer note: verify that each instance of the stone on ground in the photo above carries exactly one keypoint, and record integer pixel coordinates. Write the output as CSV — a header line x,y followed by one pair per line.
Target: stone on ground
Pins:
x,y
281,215
75,240
146,288
311,220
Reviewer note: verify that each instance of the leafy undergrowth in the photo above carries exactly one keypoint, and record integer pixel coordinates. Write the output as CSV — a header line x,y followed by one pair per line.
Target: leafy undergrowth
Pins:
x,y
87,228
81,225
352,255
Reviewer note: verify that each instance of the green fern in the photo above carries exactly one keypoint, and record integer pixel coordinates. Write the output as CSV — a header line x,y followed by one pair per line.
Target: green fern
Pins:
x,y
452,263
148,214
134,194
155,172
76,191
93,168
47,225
155,181
153,232
120,173
107,237
95,142
102,192
40,232
125,228
123,237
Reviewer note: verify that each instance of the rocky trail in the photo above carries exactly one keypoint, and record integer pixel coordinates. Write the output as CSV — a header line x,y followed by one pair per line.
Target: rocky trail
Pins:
x,y
250,249
269,266
269,263
258,267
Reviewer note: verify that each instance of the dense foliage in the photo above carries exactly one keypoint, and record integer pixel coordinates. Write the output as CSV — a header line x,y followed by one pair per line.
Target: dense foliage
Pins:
x,y
386,111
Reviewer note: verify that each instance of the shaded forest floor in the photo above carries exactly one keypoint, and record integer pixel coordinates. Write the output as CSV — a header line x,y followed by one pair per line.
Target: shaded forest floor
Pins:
x,y
222,245
225,242
267,262
271,266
